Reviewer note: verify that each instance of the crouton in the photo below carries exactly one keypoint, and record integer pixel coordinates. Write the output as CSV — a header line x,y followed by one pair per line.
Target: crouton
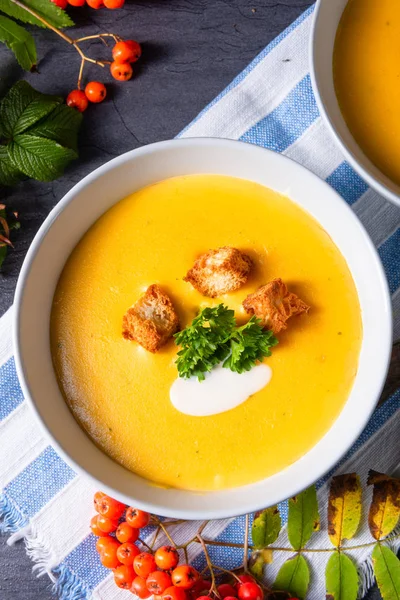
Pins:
x,y
274,305
152,320
219,271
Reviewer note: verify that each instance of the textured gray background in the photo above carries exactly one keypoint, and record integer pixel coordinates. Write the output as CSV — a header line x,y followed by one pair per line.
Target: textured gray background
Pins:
x,y
192,50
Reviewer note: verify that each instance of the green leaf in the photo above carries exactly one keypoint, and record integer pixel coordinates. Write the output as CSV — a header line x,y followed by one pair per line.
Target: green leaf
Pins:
x,y
61,125
9,175
45,8
341,578
303,517
258,559
23,106
256,564
344,507
387,572
39,157
41,134
294,577
19,41
266,527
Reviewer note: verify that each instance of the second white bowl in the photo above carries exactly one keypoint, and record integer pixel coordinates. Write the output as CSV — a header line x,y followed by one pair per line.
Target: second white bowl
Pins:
x,y
327,15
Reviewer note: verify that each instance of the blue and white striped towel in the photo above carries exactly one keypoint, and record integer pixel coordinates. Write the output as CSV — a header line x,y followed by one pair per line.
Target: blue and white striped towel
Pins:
x,y
270,104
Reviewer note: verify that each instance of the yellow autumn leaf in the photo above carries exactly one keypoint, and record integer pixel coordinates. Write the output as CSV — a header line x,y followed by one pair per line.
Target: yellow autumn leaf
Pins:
x,y
384,512
344,507
267,555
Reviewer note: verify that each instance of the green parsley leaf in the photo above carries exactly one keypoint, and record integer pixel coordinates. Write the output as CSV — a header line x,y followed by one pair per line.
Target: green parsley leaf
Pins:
x,y
206,342
45,8
250,343
213,338
20,42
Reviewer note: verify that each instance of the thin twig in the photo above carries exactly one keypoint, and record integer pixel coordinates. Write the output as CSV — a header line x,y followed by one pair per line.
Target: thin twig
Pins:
x,y
165,531
144,544
217,568
213,588
68,39
44,21
156,534
246,544
174,522
116,38
227,544
80,74
201,528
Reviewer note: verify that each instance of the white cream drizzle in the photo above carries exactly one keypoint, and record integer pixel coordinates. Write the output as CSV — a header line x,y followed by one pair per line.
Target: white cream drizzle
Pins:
x,y
221,390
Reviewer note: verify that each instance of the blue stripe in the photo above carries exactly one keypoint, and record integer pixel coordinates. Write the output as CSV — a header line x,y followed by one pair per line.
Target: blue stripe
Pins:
x,y
389,252
68,586
347,183
378,419
10,391
235,530
288,121
259,58
39,482
229,558
84,562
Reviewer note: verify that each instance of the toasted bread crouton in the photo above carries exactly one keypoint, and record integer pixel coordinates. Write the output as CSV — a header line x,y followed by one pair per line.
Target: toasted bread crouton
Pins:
x,y
219,271
152,320
274,305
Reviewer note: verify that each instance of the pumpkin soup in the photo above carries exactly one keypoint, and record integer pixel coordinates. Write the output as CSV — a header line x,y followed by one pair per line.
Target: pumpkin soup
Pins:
x,y
120,392
366,69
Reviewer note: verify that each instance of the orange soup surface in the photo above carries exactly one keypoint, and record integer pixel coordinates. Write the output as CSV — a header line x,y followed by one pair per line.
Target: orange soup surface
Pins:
x,y
119,392
366,70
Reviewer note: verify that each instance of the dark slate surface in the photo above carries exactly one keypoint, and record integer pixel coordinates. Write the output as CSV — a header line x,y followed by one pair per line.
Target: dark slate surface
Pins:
x,y
192,50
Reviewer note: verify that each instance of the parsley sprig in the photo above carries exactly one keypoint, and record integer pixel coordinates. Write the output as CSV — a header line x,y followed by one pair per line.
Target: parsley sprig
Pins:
x,y
249,344
206,342
213,337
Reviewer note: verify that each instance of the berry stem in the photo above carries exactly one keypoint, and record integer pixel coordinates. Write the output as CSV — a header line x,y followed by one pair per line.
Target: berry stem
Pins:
x,y
116,38
156,534
70,40
164,530
80,74
217,568
201,528
210,566
144,544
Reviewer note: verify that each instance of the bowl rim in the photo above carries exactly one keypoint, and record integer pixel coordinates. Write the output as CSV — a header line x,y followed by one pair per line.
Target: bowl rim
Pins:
x,y
376,185
250,505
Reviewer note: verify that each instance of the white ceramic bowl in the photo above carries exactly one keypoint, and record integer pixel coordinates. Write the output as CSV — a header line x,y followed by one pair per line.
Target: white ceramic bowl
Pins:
x,y
78,210
327,15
